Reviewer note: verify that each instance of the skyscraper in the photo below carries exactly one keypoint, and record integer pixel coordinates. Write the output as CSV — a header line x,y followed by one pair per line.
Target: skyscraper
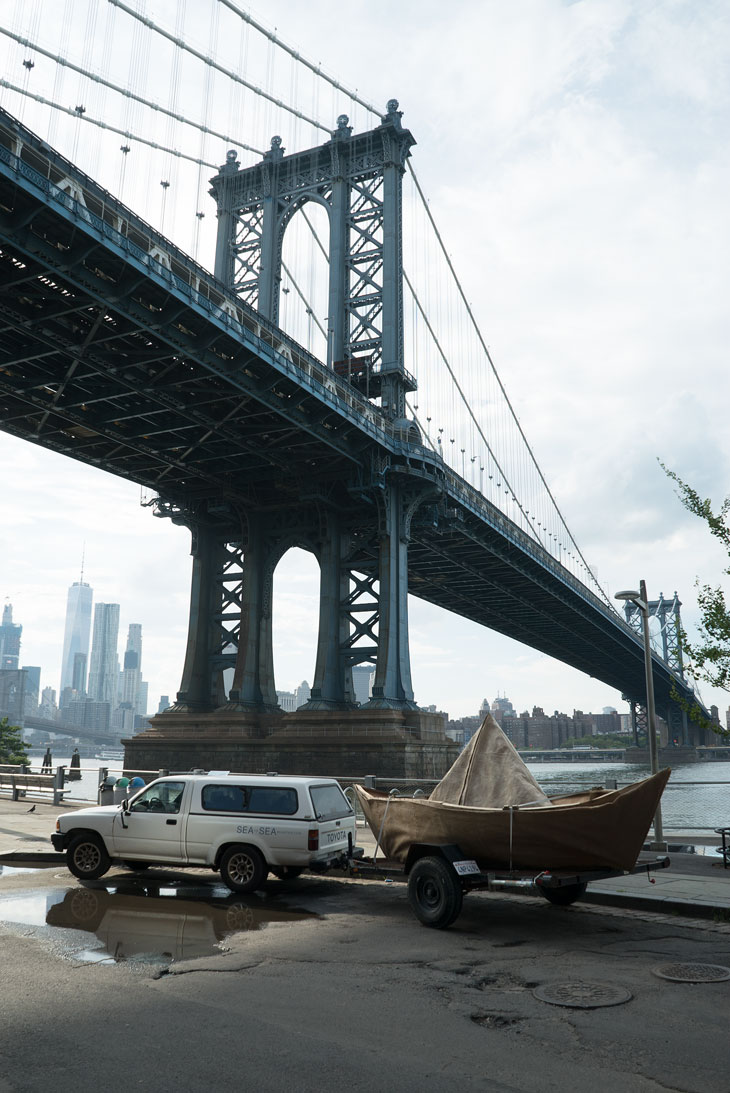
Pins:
x,y
104,665
76,634
133,696
9,639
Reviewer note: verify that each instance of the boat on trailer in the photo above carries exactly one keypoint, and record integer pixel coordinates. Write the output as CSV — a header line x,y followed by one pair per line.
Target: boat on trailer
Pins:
x,y
490,806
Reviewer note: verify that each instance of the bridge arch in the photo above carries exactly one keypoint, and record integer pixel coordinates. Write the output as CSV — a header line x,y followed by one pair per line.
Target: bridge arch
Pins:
x,y
303,242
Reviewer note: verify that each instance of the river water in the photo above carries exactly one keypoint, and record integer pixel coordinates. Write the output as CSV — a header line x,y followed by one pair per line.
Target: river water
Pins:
x,y
696,799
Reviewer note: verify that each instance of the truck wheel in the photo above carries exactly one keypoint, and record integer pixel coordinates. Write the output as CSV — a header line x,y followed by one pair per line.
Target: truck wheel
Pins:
x,y
243,869
564,896
286,872
87,858
434,893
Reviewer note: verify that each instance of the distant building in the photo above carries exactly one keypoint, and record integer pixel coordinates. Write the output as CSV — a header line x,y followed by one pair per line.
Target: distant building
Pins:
x,y
302,694
501,708
164,703
104,665
9,640
76,634
292,700
287,700
143,698
48,707
32,689
538,729
12,694
362,682
78,681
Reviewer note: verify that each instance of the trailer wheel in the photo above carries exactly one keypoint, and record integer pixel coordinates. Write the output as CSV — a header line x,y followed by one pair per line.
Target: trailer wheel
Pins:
x,y
564,896
434,893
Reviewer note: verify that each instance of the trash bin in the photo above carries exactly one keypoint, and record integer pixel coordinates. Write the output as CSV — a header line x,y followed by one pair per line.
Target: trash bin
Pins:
x,y
121,790
135,785
106,790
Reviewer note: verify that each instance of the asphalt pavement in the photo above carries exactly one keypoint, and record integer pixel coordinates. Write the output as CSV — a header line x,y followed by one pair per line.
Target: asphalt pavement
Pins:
x,y
329,983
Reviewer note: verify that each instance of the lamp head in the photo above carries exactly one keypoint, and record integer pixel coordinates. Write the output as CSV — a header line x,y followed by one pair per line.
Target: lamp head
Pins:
x,y
632,597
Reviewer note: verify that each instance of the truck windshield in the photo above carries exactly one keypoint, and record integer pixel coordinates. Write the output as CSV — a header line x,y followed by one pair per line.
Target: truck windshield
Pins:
x,y
160,797
329,802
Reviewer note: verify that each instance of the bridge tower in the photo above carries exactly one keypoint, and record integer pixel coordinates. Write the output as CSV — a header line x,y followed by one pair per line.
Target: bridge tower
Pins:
x,y
670,629
358,180
358,529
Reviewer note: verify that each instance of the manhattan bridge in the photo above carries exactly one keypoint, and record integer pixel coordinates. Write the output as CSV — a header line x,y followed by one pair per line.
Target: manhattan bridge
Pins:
x,y
326,386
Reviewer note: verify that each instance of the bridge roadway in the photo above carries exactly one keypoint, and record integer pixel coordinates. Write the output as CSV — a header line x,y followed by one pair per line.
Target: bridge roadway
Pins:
x,y
116,349
92,736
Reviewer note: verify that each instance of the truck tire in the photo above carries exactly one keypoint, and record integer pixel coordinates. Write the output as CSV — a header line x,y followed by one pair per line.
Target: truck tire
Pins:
x,y
564,896
434,893
243,869
87,858
286,872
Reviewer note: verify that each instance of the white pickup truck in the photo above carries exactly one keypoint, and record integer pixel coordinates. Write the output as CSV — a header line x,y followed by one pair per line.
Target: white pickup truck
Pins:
x,y
245,826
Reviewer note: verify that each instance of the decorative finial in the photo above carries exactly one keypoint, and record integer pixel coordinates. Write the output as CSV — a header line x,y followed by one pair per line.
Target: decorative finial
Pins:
x,y
276,151
393,115
344,129
231,165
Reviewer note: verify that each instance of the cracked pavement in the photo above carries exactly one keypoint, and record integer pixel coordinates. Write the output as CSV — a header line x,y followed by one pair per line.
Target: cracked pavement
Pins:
x,y
363,997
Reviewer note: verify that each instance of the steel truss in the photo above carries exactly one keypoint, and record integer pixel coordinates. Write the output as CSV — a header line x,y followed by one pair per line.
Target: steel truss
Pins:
x,y
358,180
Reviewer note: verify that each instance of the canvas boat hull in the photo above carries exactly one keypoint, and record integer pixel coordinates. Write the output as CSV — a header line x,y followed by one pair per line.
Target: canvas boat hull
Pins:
x,y
601,829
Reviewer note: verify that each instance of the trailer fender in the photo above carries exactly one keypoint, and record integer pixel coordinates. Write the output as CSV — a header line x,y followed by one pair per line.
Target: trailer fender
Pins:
x,y
449,852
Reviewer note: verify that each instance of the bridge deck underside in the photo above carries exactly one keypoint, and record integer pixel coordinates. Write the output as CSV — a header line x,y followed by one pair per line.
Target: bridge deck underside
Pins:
x,y
101,362
476,572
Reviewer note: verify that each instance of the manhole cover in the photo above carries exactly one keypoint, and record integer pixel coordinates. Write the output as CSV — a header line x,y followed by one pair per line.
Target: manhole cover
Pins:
x,y
585,996
692,973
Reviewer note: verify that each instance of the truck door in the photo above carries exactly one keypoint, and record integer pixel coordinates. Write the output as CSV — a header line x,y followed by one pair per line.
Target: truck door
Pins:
x,y
154,826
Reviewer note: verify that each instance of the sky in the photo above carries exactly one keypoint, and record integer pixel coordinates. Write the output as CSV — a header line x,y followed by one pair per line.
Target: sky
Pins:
x,y
575,158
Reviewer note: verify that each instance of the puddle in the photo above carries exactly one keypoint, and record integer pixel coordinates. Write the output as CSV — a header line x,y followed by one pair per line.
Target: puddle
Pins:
x,y
141,922
13,871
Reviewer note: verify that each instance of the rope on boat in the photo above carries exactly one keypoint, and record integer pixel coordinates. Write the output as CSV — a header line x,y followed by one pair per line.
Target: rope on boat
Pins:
x,y
510,838
393,793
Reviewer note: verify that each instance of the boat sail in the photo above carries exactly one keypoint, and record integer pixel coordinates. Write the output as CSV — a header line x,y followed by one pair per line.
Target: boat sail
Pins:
x,y
490,805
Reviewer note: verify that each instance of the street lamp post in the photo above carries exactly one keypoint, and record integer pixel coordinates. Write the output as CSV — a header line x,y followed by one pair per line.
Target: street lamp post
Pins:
x,y
641,601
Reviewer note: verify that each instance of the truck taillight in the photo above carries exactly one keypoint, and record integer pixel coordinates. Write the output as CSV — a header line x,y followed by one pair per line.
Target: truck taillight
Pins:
x,y
313,839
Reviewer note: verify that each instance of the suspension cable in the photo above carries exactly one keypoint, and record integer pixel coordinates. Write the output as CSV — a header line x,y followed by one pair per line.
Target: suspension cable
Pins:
x,y
303,298
105,125
225,137
483,344
214,64
316,69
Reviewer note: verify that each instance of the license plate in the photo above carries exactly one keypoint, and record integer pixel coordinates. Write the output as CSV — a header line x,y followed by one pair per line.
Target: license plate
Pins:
x,y
464,867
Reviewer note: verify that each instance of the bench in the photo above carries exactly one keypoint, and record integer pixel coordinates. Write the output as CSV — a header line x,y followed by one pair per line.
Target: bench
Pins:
x,y
17,780
725,848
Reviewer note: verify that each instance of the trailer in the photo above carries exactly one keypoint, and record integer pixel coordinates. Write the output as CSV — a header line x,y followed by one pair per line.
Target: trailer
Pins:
x,y
439,875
